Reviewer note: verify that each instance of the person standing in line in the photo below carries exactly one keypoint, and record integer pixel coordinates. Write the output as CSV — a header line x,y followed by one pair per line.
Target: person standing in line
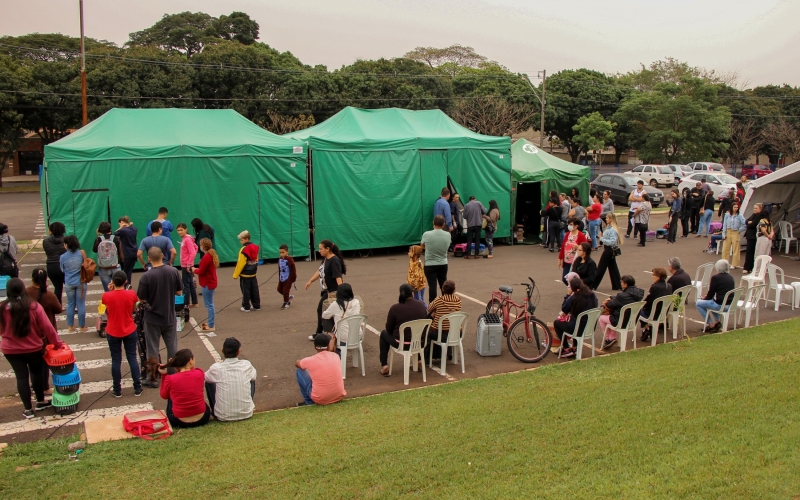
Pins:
x,y
159,241
686,208
157,289
726,203
206,274
166,226
287,275
188,255
245,272
708,214
53,247
127,239
434,243
473,212
569,248
121,332
491,226
71,262
766,234
202,230
109,253
231,384
416,273
675,207
575,193
578,212
320,376
330,275
740,192
566,206
593,212
608,203
8,253
442,207
552,213
38,291
697,195
546,219
733,227
635,201
611,240
642,218
751,234
457,213
24,329
745,182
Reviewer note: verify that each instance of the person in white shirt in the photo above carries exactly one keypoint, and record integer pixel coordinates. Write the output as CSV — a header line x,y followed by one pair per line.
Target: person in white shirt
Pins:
x,y
231,385
635,200
344,306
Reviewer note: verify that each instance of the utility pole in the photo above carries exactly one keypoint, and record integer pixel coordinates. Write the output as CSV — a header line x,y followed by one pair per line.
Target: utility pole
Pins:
x,y
543,100
85,112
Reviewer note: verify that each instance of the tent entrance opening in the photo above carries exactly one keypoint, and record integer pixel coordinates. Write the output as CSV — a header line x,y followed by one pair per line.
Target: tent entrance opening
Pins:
x,y
528,209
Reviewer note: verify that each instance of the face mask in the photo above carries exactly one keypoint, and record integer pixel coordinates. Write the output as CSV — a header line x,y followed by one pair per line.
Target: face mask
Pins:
x,y
570,227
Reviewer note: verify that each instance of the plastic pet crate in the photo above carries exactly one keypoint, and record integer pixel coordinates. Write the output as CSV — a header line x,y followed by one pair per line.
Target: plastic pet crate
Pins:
x,y
3,283
65,404
67,384
61,361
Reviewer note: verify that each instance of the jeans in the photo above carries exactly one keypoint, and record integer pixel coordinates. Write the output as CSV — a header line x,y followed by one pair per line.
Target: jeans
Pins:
x,y
74,299
105,276
56,276
115,345
703,306
420,296
473,236
489,242
128,265
594,225
211,393
208,301
715,239
434,275
189,290
304,381
705,221
553,234
28,365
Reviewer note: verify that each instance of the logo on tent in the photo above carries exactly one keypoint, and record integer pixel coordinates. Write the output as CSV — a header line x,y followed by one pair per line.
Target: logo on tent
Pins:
x,y
297,149
530,149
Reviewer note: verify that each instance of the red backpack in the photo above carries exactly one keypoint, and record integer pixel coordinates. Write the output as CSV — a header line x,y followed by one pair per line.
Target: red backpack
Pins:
x,y
147,423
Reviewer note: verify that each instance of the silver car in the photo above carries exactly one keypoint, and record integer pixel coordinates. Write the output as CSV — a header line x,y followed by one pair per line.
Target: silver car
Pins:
x,y
654,175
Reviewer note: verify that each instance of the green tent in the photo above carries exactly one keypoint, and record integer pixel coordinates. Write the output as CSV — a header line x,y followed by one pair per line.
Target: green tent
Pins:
x,y
211,164
376,173
535,174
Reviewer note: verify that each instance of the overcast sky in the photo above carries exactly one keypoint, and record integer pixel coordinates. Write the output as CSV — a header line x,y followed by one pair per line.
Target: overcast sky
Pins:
x,y
759,39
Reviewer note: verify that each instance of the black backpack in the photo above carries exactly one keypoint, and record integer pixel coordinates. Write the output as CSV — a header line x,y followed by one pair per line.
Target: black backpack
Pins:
x,y
8,264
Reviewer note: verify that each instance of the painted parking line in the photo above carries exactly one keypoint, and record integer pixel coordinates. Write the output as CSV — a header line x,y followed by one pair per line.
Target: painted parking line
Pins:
x,y
53,421
204,339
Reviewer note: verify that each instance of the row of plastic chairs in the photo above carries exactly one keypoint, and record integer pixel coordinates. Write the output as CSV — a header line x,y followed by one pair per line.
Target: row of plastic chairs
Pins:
x,y
764,272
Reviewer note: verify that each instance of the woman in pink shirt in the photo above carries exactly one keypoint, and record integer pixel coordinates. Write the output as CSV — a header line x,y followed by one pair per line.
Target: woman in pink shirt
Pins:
x,y
188,254
25,329
183,390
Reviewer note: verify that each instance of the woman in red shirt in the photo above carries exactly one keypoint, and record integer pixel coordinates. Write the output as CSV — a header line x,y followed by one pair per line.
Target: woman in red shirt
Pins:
x,y
569,247
24,328
183,390
207,276
121,332
593,212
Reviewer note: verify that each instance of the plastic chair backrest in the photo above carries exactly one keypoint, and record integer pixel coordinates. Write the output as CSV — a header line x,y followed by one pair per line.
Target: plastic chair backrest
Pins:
x,y
736,296
785,228
684,292
760,266
775,275
355,323
663,305
458,321
419,329
591,315
703,273
753,295
633,310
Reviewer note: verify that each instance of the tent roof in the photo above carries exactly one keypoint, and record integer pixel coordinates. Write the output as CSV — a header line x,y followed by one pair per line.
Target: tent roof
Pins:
x,y
170,132
531,164
781,186
393,129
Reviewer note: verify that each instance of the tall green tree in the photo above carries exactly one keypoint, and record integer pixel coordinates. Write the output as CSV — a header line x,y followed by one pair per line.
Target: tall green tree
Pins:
x,y
12,77
594,133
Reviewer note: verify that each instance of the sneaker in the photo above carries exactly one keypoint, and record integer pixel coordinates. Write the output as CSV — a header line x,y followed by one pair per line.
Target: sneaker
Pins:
x,y
117,394
301,403
285,306
83,329
150,384
256,309
568,354
27,413
138,392
608,343
43,405
311,337
627,235
244,310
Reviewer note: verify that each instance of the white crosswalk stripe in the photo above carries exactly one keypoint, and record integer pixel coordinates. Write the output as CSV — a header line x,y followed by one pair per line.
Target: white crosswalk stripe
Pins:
x,y
63,317
82,365
51,422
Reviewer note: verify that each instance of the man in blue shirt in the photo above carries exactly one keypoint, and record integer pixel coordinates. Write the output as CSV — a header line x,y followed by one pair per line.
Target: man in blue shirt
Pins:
x,y
442,207
166,226
156,240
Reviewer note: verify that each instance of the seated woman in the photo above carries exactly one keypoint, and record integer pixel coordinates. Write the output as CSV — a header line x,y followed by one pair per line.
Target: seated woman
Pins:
x,y
407,309
583,264
658,289
581,298
183,390
344,306
714,240
721,283
445,304
630,293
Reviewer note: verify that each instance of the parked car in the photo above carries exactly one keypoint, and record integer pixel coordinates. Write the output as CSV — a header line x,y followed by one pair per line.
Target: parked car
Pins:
x,y
756,171
720,184
621,186
654,175
704,166
680,171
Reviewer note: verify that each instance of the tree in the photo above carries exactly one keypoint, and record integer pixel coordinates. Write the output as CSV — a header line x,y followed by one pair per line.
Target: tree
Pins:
x,y
238,27
492,115
282,124
12,76
594,133
785,138
452,58
48,47
186,33
671,70
746,139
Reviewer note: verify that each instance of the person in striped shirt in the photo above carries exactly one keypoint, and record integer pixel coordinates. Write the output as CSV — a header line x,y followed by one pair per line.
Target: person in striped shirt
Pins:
x,y
231,385
445,304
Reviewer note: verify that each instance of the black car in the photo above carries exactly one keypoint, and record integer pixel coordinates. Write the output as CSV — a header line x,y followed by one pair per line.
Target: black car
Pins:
x,y
621,186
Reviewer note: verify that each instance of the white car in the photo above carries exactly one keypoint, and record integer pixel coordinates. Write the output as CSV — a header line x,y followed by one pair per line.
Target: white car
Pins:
x,y
680,171
704,166
654,175
720,183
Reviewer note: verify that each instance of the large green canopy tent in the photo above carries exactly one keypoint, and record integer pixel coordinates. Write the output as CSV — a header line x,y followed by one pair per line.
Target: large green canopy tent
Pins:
x,y
535,174
376,173
211,164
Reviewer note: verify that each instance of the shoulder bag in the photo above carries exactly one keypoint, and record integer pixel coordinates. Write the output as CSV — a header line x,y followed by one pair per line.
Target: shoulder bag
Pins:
x,y
146,424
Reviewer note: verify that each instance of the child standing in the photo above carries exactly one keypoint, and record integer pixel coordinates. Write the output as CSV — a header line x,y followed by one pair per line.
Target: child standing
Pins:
x,y
287,275
207,276
246,269
416,273
188,254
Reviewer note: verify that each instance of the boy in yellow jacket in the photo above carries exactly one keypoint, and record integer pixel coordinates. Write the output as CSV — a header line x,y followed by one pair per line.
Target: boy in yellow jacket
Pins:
x,y
245,272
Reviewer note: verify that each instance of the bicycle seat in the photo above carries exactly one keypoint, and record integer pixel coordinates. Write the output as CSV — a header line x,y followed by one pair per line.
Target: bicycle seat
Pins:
x,y
506,289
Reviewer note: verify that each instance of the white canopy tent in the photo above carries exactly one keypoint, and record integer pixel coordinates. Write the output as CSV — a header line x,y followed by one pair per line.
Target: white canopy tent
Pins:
x,y
782,186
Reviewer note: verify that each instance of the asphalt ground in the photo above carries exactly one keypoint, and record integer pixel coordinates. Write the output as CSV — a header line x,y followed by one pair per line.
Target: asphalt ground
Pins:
x,y
19,211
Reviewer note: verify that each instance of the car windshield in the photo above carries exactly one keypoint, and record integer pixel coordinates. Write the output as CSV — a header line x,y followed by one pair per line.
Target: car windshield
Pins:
x,y
665,170
727,179
630,180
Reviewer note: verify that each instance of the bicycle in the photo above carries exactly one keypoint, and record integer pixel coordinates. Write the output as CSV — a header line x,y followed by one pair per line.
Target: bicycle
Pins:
x,y
528,337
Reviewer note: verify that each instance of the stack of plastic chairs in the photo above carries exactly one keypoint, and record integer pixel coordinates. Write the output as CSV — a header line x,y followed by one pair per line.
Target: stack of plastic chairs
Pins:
x,y
66,379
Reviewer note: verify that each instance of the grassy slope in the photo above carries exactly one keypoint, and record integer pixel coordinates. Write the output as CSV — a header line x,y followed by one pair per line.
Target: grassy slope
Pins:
x,y
714,418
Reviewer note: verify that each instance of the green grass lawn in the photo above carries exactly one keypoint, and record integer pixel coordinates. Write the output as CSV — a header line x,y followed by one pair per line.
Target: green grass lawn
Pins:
x,y
713,418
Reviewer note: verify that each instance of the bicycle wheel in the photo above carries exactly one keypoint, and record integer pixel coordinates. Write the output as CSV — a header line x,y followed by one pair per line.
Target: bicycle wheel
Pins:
x,y
532,344
494,306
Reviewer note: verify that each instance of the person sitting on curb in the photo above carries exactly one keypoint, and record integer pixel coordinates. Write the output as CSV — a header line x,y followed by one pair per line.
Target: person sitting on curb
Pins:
x,y
183,391
231,385
320,376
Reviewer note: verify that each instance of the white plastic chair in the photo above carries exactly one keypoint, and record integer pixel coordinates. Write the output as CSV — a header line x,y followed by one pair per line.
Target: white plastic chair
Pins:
x,y
458,323
750,304
733,297
777,283
786,234
655,321
587,332
355,336
758,274
412,351
702,277
630,311
679,313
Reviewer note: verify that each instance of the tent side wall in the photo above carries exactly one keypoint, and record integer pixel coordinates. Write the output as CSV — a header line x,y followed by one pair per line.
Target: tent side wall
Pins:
x,y
485,174
265,195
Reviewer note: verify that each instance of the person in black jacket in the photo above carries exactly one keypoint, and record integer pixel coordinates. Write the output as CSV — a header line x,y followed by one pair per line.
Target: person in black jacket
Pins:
x,y
630,293
721,283
583,264
751,234
581,298
697,195
659,288
726,203
553,215
686,212
679,278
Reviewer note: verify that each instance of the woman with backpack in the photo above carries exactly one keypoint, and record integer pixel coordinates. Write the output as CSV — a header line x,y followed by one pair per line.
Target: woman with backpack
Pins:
x,y
491,226
8,253
53,247
109,253
71,263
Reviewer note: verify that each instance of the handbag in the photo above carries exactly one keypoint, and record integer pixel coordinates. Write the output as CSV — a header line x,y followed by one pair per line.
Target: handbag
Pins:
x,y
616,251
8,264
146,424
